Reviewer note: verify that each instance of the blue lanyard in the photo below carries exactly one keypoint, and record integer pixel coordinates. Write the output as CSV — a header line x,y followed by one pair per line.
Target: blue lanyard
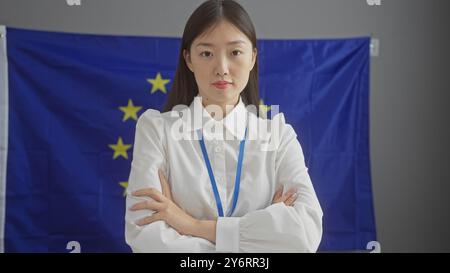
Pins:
x,y
213,180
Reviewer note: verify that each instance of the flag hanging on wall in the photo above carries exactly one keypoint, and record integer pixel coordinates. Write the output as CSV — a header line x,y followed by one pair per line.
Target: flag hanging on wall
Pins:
x,y
69,105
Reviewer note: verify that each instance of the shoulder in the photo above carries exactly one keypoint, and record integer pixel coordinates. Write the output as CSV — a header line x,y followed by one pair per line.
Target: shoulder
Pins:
x,y
154,120
150,118
276,125
286,130
155,117
276,131
150,124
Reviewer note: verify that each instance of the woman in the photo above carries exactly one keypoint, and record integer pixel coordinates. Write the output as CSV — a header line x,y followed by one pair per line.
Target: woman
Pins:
x,y
203,178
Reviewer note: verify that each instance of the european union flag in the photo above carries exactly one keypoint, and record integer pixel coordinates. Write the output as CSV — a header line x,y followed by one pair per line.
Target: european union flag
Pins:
x,y
69,108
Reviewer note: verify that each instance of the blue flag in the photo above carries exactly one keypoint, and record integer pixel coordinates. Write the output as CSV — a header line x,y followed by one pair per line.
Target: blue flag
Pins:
x,y
71,102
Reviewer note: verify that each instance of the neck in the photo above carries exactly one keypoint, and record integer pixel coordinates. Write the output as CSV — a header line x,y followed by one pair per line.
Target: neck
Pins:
x,y
225,108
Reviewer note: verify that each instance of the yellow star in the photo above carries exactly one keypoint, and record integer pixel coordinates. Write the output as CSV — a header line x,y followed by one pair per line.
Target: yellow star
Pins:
x,y
125,185
158,83
120,149
263,108
130,110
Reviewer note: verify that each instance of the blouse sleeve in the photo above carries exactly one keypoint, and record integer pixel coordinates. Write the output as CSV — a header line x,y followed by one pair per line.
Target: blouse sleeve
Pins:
x,y
149,155
278,228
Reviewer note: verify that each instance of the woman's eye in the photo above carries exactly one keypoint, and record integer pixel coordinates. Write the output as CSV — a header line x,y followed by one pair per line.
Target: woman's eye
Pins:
x,y
237,52
205,54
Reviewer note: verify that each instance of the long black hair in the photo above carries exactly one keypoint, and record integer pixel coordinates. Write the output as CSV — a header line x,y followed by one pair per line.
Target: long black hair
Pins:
x,y
208,14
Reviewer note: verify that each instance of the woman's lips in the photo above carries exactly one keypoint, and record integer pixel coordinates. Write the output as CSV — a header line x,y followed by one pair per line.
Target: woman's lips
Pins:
x,y
221,84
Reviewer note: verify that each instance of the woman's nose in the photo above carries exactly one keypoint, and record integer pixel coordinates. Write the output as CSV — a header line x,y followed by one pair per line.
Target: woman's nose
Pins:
x,y
222,66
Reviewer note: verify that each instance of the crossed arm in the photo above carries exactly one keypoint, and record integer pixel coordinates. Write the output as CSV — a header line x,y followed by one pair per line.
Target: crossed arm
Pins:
x,y
168,211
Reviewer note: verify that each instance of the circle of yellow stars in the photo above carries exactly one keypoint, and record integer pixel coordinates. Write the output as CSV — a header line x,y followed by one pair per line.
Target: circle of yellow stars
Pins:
x,y
130,112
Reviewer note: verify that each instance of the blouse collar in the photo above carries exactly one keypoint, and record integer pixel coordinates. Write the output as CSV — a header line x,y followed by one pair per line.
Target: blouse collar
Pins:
x,y
235,121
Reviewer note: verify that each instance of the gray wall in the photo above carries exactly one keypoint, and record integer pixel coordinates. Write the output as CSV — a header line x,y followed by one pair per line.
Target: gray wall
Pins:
x,y
409,81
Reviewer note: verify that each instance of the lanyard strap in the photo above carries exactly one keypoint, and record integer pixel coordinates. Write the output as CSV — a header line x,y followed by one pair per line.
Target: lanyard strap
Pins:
x,y
213,180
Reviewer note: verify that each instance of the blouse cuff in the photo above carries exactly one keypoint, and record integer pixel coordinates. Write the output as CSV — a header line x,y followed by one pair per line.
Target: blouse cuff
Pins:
x,y
227,234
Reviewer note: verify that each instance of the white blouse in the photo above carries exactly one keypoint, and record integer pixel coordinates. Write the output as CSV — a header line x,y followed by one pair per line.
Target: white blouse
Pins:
x,y
273,158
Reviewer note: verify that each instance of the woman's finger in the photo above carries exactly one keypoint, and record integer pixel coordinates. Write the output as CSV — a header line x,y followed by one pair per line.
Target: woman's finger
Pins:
x,y
149,204
164,185
288,194
277,195
291,199
150,192
149,219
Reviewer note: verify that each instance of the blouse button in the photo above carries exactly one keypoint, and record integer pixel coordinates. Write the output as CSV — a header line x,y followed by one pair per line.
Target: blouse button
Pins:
x,y
218,149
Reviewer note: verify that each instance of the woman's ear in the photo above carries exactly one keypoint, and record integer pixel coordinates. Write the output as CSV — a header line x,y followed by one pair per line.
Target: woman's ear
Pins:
x,y
187,59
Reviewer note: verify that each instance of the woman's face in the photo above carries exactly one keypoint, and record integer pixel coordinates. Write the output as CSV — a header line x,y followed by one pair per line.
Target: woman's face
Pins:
x,y
221,60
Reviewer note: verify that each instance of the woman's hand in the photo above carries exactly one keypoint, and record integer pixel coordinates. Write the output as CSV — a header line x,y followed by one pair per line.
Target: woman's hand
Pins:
x,y
288,198
165,208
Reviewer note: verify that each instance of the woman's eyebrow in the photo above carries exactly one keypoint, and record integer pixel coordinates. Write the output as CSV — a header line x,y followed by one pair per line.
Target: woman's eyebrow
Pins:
x,y
229,43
